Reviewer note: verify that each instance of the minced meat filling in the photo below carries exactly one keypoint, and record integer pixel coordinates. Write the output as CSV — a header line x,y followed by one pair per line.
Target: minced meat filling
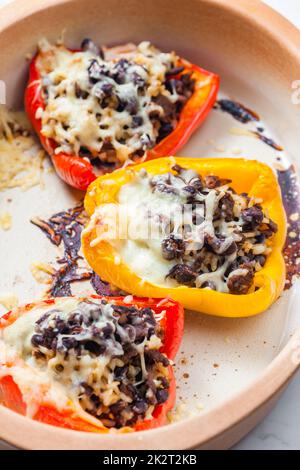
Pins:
x,y
108,355
108,106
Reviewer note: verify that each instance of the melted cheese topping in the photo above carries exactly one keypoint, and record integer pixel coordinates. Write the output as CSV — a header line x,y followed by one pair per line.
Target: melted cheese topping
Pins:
x,y
147,214
37,384
74,122
57,381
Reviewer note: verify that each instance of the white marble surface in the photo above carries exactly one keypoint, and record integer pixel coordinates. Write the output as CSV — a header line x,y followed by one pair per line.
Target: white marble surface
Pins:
x,y
280,430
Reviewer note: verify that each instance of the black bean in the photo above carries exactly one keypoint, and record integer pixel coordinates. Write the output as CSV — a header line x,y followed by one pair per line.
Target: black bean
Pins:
x,y
89,45
140,407
209,285
132,105
226,205
164,381
245,259
196,183
212,181
128,390
273,226
137,121
220,246
122,64
165,188
261,259
118,407
119,77
75,319
241,283
183,274
260,238
119,71
44,317
88,390
95,400
94,348
80,93
131,332
61,326
177,168
138,80
165,129
188,81
190,190
253,216
168,106
172,247
84,152
175,71
120,373
162,396
123,309
107,330
153,356
103,90
97,71
53,344
69,343
37,340
146,141
174,85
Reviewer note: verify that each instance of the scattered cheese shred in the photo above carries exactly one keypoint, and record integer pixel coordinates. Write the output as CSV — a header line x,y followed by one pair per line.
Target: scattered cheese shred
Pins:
x,y
21,158
42,272
5,221
9,300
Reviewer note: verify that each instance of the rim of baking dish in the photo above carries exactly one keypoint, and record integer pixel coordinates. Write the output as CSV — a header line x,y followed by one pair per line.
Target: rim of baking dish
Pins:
x,y
207,427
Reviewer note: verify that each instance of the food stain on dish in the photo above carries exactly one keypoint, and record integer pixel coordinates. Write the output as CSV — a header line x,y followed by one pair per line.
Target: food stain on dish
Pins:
x,y
237,110
268,140
65,227
291,200
246,115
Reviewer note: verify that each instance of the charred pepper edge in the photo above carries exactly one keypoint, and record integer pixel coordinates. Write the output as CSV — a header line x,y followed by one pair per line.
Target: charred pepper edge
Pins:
x,y
11,396
255,178
79,172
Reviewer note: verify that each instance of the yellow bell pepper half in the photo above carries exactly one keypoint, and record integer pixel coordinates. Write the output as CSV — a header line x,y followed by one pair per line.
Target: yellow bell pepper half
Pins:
x,y
252,177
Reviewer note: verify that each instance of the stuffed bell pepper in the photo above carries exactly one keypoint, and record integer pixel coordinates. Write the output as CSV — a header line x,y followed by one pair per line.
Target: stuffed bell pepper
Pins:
x,y
207,232
97,109
91,364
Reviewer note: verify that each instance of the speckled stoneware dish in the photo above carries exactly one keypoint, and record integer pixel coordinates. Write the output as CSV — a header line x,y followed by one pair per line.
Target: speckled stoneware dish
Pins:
x,y
230,372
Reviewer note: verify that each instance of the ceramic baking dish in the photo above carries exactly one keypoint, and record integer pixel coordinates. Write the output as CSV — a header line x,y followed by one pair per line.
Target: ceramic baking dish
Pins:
x,y
230,372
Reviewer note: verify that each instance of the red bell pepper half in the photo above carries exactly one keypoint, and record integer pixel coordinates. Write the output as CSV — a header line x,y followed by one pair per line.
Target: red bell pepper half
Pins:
x,y
172,324
79,172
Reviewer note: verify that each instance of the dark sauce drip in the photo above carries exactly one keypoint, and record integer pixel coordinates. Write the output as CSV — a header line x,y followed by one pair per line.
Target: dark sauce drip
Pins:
x,y
237,110
65,227
244,115
268,141
291,200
